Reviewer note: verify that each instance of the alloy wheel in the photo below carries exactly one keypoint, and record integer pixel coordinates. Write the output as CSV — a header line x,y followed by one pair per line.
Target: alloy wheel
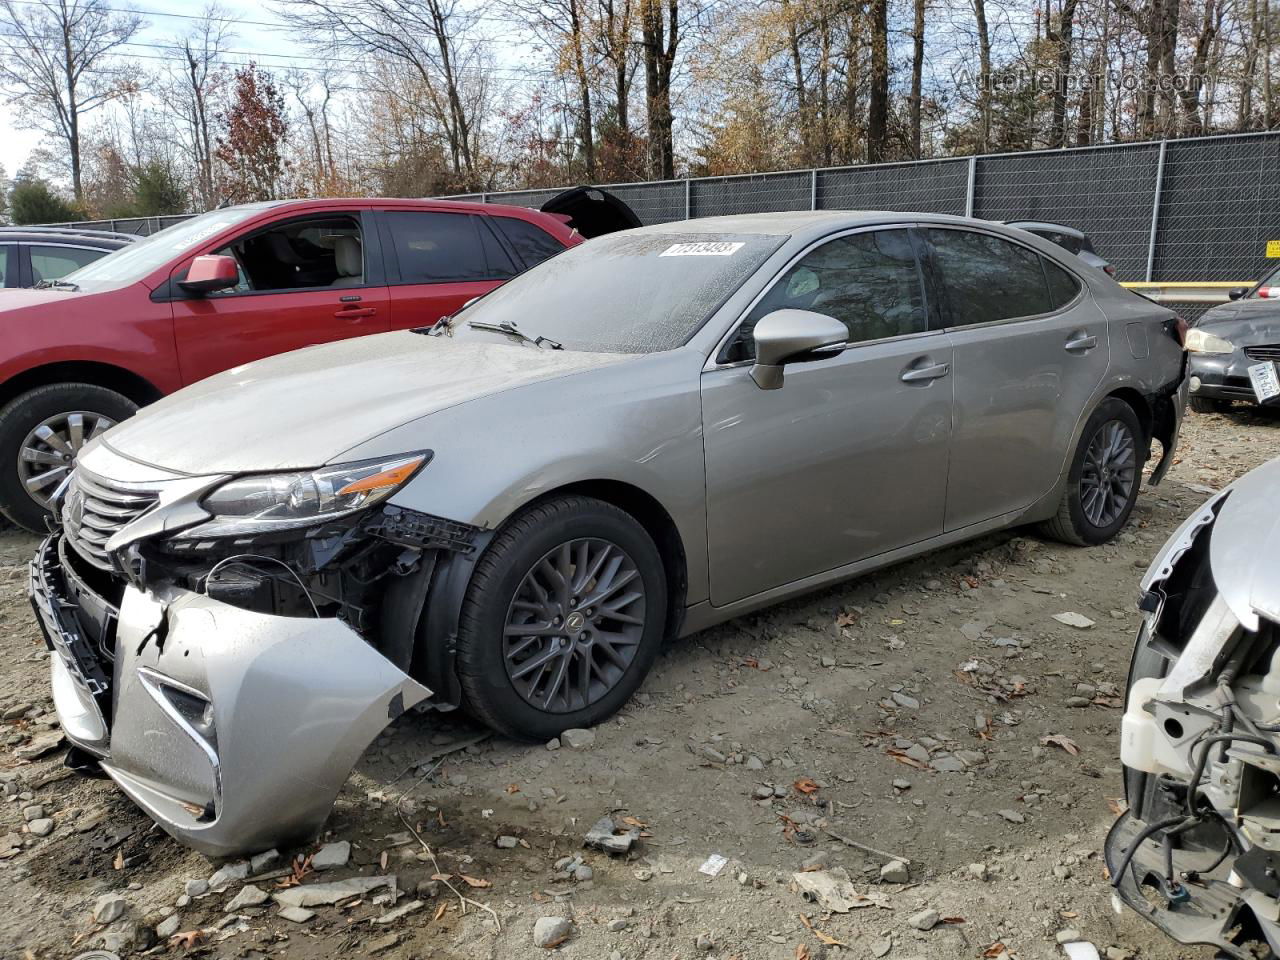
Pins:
x,y
50,449
1106,478
574,625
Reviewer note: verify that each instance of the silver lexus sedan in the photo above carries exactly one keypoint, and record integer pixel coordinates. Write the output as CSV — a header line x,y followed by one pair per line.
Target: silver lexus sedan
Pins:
x,y
648,434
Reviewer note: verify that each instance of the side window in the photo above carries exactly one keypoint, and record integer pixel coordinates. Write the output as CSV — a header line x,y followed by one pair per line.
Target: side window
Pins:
x,y
437,247
870,282
532,244
1063,287
299,255
988,278
8,265
54,263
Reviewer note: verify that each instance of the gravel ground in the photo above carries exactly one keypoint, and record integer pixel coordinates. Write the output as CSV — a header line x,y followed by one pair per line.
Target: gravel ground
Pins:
x,y
904,714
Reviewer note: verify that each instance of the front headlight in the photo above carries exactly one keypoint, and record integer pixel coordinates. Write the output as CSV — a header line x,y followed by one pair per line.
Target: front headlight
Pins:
x,y
1200,342
284,501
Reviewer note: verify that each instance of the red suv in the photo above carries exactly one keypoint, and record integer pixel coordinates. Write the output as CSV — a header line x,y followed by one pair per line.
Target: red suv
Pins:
x,y
84,352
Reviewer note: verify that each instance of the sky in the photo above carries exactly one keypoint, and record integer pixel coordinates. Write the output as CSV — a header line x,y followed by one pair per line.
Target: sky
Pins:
x,y
163,20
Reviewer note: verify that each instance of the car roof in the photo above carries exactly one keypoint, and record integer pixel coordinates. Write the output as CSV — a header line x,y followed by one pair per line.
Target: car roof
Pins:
x,y
67,237
804,224
383,203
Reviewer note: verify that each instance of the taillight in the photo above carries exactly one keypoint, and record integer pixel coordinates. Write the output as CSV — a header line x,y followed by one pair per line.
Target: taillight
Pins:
x,y
1177,328
1268,292
1109,270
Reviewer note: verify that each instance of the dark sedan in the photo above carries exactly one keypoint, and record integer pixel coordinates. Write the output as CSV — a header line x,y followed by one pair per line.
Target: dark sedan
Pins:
x,y
30,256
1230,339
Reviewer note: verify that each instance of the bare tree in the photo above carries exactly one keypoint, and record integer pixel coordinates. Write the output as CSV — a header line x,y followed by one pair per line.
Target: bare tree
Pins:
x,y
57,64
660,38
917,75
431,37
197,80
563,27
878,104
314,94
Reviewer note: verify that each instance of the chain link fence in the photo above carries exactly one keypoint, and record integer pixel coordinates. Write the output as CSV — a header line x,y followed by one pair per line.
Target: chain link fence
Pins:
x,y
1194,210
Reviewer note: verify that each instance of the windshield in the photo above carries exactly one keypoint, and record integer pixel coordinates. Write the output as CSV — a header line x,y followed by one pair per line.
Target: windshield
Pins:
x,y
623,292
130,264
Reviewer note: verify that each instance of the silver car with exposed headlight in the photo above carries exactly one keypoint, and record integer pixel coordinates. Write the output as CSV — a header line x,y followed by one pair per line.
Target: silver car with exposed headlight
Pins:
x,y
641,437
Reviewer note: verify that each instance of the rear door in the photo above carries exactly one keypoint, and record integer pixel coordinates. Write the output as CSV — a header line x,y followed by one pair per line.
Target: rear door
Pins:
x,y
1030,348
303,280
437,261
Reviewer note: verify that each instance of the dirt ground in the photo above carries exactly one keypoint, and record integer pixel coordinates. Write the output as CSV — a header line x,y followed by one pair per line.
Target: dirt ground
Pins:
x,y
906,712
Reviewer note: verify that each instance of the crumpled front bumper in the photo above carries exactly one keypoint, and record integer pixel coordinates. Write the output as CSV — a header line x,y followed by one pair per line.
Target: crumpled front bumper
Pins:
x,y
234,730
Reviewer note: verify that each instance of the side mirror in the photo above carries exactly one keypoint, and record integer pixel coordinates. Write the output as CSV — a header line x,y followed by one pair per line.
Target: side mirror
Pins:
x,y
209,273
1237,292
793,336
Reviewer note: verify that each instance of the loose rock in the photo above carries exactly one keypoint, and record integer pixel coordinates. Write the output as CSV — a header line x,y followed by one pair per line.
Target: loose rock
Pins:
x,y
108,908
550,932
924,920
331,856
895,871
576,739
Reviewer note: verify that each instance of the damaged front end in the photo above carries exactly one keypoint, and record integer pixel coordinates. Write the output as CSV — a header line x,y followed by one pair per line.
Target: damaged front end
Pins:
x,y
1198,850
228,675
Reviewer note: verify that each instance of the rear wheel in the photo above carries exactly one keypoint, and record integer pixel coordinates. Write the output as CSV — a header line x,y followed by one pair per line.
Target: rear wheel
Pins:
x,y
562,620
1102,484
41,433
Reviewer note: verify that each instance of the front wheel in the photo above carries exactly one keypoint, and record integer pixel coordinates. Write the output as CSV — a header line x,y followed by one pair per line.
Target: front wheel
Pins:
x,y
1209,405
41,433
562,619
1102,484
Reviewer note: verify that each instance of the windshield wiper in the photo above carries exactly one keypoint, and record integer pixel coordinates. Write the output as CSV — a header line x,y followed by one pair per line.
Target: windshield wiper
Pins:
x,y
57,285
511,330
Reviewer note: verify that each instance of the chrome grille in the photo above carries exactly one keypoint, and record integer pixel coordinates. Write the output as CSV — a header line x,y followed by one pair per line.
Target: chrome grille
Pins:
x,y
1270,351
95,508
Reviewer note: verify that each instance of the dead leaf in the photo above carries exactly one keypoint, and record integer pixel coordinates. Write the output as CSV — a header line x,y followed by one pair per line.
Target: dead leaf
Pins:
x,y
382,860
634,822
187,938
440,912
1058,740
802,951
1116,805
1068,914
846,620
513,788
118,862
474,881
1113,702
952,920
901,757
997,949
806,786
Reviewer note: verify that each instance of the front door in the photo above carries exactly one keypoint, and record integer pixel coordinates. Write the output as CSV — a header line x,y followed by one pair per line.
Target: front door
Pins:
x,y
303,281
1031,348
849,458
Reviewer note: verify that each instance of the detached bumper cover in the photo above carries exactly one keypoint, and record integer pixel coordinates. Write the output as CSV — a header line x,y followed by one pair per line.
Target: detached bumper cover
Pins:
x,y
234,730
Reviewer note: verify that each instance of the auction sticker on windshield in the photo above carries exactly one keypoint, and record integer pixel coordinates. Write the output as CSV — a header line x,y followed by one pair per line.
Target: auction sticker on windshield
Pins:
x,y
1266,385
703,248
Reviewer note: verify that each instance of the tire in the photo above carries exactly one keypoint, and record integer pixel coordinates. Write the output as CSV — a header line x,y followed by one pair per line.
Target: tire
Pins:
x,y
44,405
503,596
1207,405
1075,522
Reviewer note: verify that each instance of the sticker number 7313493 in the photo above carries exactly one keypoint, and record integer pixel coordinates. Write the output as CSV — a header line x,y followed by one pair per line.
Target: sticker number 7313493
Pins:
x,y
703,248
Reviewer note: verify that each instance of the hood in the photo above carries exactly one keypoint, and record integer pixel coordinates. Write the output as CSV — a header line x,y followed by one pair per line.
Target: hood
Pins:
x,y
299,410
1244,321
1242,550
14,299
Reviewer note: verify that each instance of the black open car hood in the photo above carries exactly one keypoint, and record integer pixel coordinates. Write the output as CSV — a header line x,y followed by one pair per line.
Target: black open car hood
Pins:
x,y
592,211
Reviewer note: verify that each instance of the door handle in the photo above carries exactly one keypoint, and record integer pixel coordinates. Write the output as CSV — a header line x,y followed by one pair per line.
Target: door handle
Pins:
x,y
1081,341
932,372
353,313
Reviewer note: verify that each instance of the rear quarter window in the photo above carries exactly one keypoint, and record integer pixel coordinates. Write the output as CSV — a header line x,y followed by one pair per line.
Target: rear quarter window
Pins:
x,y
531,243
1063,287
